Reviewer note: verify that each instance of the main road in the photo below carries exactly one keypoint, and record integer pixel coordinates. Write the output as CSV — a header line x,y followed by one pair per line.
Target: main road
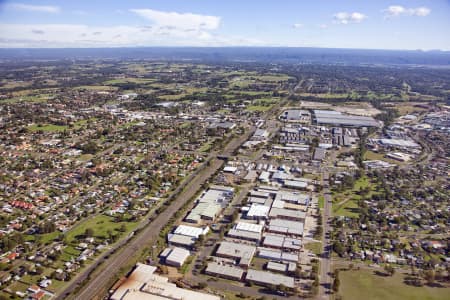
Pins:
x,y
100,274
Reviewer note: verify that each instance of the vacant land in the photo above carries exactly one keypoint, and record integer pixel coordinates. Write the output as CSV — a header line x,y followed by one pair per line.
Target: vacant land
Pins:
x,y
346,203
363,284
100,224
47,127
314,247
369,155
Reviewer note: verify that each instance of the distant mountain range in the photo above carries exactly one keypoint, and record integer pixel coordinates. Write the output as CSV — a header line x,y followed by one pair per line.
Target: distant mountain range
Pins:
x,y
242,54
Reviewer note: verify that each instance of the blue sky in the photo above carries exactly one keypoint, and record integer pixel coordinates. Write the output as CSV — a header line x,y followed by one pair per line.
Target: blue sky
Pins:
x,y
378,24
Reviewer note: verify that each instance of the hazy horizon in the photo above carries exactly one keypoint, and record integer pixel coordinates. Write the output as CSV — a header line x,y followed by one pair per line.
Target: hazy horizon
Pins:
x,y
351,24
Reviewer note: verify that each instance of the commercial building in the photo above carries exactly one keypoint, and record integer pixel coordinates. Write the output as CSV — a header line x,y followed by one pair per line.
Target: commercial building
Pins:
x,y
282,242
251,176
267,278
175,256
288,214
264,177
244,226
286,227
224,271
185,236
246,231
244,235
260,135
241,252
277,255
296,115
143,284
319,154
398,143
294,184
191,230
399,156
210,204
281,267
180,240
335,118
293,197
258,211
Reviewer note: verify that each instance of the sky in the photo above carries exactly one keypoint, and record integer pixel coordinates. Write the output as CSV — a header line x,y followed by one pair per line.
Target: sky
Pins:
x,y
365,24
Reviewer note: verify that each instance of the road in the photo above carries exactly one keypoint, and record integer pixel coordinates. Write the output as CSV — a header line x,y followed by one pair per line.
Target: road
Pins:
x,y
325,263
101,277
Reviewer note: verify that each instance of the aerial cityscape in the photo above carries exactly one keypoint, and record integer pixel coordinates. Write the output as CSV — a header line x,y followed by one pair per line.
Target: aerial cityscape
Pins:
x,y
186,161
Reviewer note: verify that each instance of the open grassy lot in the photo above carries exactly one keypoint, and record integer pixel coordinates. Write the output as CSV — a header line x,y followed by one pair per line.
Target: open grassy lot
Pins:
x,y
346,203
369,155
206,146
347,209
314,247
27,98
47,127
258,108
128,80
263,104
97,88
100,224
363,284
172,97
321,202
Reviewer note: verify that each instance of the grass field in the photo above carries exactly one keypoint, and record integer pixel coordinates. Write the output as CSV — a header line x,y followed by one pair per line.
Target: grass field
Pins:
x,y
128,80
314,247
47,128
258,108
206,146
347,209
97,88
100,224
346,203
369,155
321,202
363,284
27,98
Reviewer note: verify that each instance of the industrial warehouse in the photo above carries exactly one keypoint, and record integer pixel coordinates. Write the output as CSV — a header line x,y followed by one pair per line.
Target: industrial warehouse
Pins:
x,y
335,118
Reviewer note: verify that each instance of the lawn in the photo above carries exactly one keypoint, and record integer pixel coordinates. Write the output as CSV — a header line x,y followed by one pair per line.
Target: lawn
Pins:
x,y
346,203
206,146
363,284
314,247
128,80
347,209
321,201
97,88
49,237
47,127
100,224
258,108
27,98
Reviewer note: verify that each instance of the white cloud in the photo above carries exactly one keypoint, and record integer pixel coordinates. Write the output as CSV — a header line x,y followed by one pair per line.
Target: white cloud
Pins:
x,y
297,25
398,10
179,20
323,26
80,12
34,8
78,35
347,18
